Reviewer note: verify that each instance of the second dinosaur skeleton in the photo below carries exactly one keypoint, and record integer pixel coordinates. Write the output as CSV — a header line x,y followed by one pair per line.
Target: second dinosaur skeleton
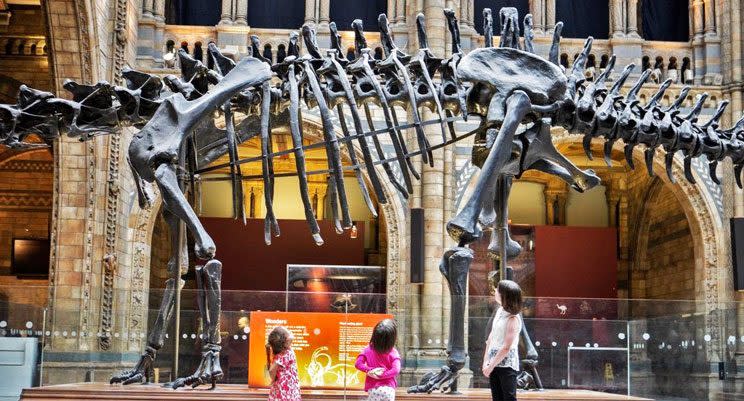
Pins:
x,y
517,94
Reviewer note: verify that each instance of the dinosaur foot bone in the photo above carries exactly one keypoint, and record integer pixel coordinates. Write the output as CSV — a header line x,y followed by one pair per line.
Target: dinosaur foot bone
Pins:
x,y
141,372
209,370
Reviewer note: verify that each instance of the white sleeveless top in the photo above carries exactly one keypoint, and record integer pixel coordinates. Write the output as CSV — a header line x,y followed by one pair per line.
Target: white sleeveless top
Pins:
x,y
498,332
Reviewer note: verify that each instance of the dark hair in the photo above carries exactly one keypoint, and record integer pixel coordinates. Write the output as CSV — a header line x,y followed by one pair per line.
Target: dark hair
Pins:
x,y
511,296
384,336
278,340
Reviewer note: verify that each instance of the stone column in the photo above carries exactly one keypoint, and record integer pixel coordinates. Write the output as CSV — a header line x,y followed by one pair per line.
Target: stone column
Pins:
x,y
710,17
633,19
392,13
430,309
400,12
549,16
159,39
241,13
549,209
227,14
698,28
147,44
310,15
617,18
536,9
712,42
471,13
556,196
147,8
325,10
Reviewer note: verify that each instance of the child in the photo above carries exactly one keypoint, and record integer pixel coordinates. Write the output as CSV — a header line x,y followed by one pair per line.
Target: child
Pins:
x,y
381,362
501,361
285,384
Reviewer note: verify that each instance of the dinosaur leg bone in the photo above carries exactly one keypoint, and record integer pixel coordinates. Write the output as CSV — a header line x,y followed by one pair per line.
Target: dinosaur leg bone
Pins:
x,y
454,267
175,201
501,222
463,227
541,148
208,281
156,338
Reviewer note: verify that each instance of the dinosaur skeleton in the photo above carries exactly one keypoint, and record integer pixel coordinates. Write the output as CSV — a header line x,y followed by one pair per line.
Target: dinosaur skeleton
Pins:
x,y
517,94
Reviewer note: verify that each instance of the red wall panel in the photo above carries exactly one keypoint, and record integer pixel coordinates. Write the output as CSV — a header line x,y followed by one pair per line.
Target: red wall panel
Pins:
x,y
249,264
575,262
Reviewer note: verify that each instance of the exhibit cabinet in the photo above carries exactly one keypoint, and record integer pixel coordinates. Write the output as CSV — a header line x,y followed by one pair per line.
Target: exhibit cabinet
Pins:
x,y
643,348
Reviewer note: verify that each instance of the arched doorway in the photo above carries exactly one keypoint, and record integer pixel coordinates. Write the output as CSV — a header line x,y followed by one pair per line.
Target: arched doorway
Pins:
x,y
249,264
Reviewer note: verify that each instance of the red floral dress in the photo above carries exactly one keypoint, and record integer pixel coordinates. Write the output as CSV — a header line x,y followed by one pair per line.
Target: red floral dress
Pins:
x,y
286,387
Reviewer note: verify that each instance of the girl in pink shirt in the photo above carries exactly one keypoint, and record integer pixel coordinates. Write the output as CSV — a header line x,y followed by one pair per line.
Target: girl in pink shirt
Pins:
x,y
381,362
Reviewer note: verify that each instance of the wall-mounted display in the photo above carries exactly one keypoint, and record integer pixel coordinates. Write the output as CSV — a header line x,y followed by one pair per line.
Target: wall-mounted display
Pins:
x,y
326,346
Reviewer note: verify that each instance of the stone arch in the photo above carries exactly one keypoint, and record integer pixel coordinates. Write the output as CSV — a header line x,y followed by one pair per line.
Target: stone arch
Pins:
x,y
705,225
394,212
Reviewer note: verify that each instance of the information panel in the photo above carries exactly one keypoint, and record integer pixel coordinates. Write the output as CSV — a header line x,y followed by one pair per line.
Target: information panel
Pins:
x,y
326,345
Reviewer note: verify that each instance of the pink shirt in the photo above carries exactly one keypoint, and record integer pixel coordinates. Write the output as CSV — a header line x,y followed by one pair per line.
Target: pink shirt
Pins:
x,y
369,359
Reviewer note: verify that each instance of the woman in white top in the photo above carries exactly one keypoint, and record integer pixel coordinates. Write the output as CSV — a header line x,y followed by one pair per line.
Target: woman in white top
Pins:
x,y
501,361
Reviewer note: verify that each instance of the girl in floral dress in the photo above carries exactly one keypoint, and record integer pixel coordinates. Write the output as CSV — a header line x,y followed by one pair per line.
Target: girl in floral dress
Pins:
x,y
282,365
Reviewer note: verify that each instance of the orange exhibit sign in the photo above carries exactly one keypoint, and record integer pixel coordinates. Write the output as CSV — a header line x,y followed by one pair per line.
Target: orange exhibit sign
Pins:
x,y
326,345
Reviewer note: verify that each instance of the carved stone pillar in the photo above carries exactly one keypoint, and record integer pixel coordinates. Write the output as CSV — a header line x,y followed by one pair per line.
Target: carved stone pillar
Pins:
x,y
538,16
400,12
617,18
556,196
392,13
471,13
710,17
318,192
310,14
325,10
712,43
148,8
147,43
226,18
241,13
549,15
633,19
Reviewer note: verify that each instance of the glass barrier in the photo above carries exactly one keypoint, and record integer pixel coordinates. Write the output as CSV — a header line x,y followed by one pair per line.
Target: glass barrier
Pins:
x,y
663,350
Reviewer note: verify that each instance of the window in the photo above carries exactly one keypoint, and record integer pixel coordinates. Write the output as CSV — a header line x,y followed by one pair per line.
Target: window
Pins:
x,y
666,20
193,12
282,14
583,18
344,12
